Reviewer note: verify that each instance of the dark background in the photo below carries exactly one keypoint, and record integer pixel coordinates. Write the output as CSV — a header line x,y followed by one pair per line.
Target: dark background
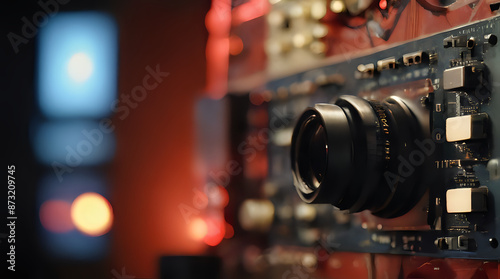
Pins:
x,y
152,171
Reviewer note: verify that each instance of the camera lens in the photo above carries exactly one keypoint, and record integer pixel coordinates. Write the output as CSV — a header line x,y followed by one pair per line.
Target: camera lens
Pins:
x,y
313,152
349,154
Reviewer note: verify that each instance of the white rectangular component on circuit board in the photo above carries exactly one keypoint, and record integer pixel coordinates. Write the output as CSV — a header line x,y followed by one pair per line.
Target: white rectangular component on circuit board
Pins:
x,y
465,200
459,128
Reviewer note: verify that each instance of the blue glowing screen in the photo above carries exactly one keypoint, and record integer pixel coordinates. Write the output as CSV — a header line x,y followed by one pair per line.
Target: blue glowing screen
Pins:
x,y
77,65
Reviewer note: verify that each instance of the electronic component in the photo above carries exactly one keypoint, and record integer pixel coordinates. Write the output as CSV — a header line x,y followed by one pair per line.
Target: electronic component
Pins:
x,y
455,41
458,77
462,243
413,58
465,200
466,127
352,151
386,64
471,42
491,39
365,71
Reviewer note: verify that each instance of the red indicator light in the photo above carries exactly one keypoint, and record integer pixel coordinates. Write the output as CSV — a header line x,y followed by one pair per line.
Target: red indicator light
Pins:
x,y
383,4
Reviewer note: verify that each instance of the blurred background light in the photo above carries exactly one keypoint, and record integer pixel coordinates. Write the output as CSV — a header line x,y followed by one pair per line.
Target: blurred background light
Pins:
x,y
92,214
216,228
75,215
337,6
77,67
55,216
73,143
80,67
229,231
198,229
218,196
235,45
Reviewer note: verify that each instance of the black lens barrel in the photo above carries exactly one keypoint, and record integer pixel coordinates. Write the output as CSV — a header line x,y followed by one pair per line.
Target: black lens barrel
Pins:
x,y
348,154
338,156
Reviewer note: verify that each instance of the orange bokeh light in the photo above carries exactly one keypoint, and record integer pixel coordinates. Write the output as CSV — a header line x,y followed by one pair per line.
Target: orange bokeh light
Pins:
x,y
198,229
235,45
55,216
229,231
383,4
92,214
216,230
